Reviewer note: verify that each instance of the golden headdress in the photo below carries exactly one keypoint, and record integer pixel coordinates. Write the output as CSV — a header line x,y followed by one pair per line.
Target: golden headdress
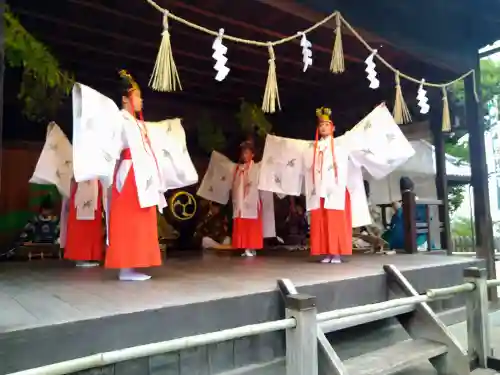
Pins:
x,y
323,114
128,80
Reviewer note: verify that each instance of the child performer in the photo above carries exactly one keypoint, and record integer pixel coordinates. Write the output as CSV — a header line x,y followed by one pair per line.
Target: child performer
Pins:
x,y
84,232
247,205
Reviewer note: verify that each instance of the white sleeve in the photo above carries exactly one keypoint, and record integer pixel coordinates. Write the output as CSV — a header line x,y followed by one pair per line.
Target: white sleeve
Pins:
x,y
97,135
378,144
218,179
168,141
282,165
55,164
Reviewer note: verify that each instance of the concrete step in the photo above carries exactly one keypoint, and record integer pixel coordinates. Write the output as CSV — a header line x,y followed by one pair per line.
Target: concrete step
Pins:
x,y
391,359
481,371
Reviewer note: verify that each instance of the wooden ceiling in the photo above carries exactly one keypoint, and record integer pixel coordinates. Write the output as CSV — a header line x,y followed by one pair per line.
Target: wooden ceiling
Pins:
x,y
95,38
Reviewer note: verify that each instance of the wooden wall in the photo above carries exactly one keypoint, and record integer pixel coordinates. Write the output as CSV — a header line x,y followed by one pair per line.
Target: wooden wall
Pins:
x,y
18,163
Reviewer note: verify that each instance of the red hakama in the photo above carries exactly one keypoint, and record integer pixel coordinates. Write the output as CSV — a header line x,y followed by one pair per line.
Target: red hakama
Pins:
x,y
331,230
248,233
133,231
84,238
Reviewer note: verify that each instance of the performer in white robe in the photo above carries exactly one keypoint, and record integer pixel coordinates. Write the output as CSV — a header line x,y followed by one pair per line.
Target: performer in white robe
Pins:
x,y
102,135
81,233
253,210
334,188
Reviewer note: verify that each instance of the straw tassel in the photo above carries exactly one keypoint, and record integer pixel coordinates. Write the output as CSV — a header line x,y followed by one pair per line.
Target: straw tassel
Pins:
x,y
400,113
165,76
271,94
337,64
446,125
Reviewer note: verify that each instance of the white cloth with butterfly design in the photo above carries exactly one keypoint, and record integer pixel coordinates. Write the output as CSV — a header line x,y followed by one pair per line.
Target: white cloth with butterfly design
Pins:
x,y
168,140
376,143
224,176
55,164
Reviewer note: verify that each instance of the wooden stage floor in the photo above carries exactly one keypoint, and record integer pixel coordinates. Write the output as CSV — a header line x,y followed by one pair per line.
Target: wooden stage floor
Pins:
x,y
42,293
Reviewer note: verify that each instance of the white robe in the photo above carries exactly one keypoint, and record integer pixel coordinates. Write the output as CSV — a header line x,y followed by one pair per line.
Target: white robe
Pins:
x,y
376,143
101,132
220,179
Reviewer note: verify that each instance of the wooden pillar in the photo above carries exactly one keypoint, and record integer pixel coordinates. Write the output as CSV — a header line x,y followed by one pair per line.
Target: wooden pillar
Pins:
x,y
479,178
410,226
2,71
441,177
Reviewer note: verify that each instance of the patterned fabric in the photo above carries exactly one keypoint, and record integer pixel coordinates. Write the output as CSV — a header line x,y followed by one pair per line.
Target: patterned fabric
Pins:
x,y
213,226
41,229
377,226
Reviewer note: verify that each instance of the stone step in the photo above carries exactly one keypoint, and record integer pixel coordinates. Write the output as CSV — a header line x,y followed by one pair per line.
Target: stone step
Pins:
x,y
394,358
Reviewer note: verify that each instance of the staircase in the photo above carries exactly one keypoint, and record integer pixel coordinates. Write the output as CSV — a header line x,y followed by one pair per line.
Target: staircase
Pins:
x,y
427,340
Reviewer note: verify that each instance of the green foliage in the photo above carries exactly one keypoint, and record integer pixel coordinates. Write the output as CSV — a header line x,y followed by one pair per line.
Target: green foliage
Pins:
x,y
462,153
251,118
210,136
462,227
44,85
490,84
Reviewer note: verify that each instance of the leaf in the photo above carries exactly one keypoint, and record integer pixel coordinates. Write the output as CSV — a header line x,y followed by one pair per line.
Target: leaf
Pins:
x,y
44,85
252,119
210,136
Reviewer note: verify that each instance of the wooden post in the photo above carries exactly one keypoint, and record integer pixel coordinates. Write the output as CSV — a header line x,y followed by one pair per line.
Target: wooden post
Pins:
x,y
478,330
2,72
301,341
479,179
410,226
441,176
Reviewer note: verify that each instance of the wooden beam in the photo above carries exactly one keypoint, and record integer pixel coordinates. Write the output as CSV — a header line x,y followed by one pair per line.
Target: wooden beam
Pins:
x,y
111,84
2,71
273,34
180,31
128,57
138,42
294,8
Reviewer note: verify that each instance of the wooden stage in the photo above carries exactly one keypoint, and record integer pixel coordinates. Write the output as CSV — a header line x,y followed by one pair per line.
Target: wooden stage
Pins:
x,y
61,312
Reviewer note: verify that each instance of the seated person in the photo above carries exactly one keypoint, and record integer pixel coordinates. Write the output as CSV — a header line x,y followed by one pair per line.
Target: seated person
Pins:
x,y
371,235
43,228
297,227
212,231
395,236
165,230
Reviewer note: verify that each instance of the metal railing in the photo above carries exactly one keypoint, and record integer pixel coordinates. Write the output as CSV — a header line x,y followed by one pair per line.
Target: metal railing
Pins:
x,y
301,326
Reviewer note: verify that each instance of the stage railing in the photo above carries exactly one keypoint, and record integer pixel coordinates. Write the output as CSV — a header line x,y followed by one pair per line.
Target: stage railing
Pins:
x,y
303,326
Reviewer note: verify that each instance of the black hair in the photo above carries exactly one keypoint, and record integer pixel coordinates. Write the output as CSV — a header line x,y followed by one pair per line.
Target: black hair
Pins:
x,y
406,184
47,203
247,145
125,83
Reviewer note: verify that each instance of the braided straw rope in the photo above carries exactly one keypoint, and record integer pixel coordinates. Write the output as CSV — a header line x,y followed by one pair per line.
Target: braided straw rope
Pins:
x,y
308,30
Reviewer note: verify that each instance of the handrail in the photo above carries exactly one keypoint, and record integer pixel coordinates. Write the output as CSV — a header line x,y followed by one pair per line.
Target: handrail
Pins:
x,y
493,283
430,295
104,359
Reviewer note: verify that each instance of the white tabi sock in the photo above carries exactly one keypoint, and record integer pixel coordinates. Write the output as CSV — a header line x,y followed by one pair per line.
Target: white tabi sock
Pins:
x,y
127,274
336,260
84,264
326,260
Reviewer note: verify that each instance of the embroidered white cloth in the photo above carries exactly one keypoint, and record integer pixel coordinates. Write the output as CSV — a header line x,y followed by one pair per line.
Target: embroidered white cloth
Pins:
x,y
169,144
55,164
282,169
217,182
